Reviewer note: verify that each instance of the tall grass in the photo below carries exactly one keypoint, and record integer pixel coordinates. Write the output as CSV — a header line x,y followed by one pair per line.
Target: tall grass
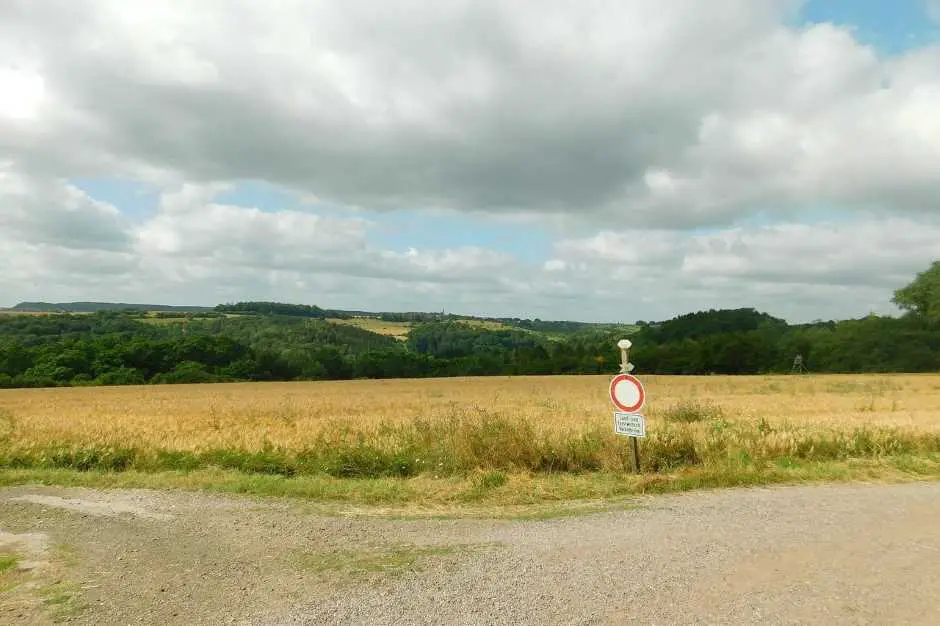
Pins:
x,y
480,441
690,411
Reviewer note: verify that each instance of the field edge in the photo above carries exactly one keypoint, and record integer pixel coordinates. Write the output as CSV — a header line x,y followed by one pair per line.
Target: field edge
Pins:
x,y
515,497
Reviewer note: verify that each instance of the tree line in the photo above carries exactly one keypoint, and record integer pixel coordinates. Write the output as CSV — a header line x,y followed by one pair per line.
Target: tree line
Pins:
x,y
268,341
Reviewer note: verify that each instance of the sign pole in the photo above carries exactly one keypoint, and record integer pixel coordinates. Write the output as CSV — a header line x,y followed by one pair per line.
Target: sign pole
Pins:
x,y
636,455
628,396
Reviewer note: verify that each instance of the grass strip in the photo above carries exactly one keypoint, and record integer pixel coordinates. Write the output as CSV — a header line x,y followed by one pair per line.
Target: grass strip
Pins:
x,y
521,496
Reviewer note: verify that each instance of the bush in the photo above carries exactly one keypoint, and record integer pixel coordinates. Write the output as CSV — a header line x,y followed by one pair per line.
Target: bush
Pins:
x,y
670,449
121,376
186,373
691,411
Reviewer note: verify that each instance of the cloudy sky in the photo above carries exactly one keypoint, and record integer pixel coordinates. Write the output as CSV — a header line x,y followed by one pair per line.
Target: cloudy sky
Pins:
x,y
582,159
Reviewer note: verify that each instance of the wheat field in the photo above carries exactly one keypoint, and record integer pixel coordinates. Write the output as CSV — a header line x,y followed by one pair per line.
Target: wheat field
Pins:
x,y
398,330
254,416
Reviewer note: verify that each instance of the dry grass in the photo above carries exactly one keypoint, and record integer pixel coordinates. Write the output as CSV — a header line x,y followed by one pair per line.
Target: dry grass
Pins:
x,y
398,330
518,441
253,416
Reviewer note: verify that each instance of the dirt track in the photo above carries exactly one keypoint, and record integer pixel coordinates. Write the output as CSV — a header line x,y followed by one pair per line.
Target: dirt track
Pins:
x,y
827,554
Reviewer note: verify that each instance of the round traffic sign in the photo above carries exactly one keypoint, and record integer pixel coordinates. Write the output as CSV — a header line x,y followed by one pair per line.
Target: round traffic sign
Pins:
x,y
627,393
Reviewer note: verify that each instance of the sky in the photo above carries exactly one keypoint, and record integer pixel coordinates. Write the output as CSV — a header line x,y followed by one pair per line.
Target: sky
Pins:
x,y
584,160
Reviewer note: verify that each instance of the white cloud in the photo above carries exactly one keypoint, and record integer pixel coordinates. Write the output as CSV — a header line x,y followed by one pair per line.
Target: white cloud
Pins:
x,y
64,245
800,271
191,227
677,114
21,93
249,236
195,250
45,211
659,119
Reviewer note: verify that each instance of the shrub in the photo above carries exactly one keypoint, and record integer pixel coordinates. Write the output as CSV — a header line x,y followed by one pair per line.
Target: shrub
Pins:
x,y
692,411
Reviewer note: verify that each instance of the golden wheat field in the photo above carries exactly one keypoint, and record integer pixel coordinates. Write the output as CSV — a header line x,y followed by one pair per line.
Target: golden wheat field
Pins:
x,y
398,330
248,416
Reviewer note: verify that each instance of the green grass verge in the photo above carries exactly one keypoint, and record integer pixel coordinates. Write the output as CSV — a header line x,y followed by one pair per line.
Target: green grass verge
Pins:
x,y
521,496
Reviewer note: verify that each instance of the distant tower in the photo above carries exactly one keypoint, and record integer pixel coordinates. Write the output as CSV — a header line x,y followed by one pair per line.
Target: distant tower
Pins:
x,y
798,367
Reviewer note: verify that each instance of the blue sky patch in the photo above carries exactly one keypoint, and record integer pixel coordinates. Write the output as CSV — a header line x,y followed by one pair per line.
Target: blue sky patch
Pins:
x,y
412,229
134,199
259,195
890,26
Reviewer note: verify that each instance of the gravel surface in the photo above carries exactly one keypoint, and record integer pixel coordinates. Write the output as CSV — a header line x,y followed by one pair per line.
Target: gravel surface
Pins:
x,y
844,554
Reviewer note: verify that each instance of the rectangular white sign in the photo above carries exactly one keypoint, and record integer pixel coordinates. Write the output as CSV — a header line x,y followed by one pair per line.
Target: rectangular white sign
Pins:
x,y
630,424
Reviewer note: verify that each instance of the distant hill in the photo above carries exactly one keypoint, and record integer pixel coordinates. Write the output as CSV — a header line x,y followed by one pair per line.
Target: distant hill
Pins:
x,y
272,308
712,322
94,307
366,319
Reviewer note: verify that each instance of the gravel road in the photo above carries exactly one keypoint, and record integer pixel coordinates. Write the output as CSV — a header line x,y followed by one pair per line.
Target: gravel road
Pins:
x,y
843,554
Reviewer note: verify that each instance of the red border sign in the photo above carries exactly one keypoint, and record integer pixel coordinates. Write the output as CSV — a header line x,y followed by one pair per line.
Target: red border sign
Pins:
x,y
621,378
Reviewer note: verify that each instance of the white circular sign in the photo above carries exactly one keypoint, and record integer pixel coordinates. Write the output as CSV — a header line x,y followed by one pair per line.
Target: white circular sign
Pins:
x,y
627,393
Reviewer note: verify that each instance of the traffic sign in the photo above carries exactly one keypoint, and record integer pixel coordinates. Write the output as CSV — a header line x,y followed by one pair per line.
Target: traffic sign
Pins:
x,y
627,393
630,424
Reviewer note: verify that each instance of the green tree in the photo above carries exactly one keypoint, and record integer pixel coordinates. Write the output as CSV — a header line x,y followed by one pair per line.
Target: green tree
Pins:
x,y
922,295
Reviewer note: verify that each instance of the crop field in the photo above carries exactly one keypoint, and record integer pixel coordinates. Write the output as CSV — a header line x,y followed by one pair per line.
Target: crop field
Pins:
x,y
493,435
398,330
28,313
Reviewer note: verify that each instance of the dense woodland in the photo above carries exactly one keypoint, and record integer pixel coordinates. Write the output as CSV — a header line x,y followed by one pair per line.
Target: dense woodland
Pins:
x,y
271,341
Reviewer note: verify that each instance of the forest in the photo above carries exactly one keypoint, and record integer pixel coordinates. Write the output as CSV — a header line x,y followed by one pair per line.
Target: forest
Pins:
x,y
272,341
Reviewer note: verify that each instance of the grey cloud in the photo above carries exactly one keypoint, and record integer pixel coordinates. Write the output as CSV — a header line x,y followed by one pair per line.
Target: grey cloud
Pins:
x,y
660,111
643,117
46,211
47,271
801,271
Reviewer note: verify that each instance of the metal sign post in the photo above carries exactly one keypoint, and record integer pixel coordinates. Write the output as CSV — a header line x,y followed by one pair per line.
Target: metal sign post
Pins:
x,y
628,395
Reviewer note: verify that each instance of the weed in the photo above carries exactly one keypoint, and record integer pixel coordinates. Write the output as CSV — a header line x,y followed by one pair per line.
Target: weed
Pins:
x,y
61,599
691,411
493,479
383,562
7,562
7,424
